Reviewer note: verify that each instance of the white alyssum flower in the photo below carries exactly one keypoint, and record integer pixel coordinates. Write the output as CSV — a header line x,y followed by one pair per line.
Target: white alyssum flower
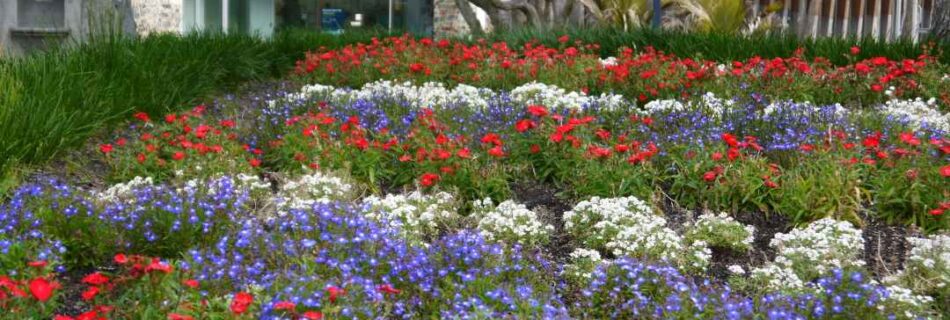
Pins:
x,y
807,253
510,222
914,306
124,191
927,269
628,227
721,230
708,102
416,215
917,113
315,188
736,270
435,95
583,263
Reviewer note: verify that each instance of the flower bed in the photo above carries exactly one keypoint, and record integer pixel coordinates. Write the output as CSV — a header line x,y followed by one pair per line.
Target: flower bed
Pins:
x,y
393,200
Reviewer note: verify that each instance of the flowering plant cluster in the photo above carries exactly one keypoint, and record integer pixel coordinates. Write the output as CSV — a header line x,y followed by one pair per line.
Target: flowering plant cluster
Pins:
x,y
647,75
510,222
380,201
180,145
721,230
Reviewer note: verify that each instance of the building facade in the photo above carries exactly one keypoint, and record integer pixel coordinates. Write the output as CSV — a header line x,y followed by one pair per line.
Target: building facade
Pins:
x,y
27,25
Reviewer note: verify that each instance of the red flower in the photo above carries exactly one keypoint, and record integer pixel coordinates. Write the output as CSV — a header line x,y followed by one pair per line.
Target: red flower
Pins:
x,y
524,125
492,138
142,116
120,259
807,147
335,292
178,155
855,50
387,289
936,212
716,156
285,306
42,289
95,279
909,138
157,265
170,118
241,301
535,148
710,176
255,162
105,148
416,67
563,39
730,140
945,171
770,184
464,153
90,293
37,264
175,316
191,283
496,152
313,315
428,179
537,111
62,317
140,158
877,87
872,141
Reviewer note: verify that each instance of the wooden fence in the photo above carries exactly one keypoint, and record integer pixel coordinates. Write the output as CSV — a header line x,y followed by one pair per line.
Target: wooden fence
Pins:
x,y
880,19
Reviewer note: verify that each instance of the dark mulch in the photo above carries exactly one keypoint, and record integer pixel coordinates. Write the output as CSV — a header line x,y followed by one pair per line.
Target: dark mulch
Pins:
x,y
885,245
546,201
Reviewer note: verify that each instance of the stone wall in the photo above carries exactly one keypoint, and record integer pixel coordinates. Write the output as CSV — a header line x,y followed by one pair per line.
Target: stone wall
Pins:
x,y
153,16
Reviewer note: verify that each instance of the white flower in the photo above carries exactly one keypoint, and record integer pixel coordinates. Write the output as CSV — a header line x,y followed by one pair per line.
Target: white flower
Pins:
x,y
736,269
416,215
510,222
310,189
917,113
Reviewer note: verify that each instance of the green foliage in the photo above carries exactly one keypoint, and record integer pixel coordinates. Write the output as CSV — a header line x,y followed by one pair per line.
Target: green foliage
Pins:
x,y
57,99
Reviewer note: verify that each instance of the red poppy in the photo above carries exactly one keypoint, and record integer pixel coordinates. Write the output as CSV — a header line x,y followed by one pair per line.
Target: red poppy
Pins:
x,y
709,176
241,301
464,153
535,148
563,39
877,87
170,118
178,155
157,265
42,289
120,259
313,315
105,148
255,162
945,171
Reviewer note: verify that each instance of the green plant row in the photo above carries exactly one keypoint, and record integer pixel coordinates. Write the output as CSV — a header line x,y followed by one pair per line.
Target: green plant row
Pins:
x,y
55,100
